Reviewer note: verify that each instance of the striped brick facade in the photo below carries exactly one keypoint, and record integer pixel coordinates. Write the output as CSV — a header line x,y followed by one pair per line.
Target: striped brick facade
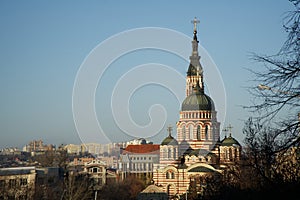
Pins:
x,y
196,151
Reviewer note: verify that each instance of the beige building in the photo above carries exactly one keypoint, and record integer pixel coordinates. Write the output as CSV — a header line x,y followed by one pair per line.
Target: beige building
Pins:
x,y
99,174
139,160
24,183
38,146
17,183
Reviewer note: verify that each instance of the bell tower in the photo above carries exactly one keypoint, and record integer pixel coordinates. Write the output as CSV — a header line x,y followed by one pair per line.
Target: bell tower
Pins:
x,y
197,127
195,71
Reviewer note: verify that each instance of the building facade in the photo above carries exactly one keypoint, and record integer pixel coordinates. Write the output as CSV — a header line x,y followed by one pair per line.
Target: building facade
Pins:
x,y
198,150
139,160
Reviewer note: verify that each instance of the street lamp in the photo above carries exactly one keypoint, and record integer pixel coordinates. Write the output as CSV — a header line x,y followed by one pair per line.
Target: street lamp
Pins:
x,y
263,87
186,193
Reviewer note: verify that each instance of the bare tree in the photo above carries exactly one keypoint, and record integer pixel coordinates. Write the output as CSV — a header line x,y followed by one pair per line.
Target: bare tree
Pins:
x,y
77,187
279,83
277,88
272,133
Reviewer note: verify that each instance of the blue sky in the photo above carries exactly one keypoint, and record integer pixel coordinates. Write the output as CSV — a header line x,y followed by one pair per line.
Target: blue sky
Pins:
x,y
44,43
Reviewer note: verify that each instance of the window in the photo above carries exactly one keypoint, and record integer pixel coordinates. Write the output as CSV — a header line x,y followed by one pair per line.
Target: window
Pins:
x,y
230,155
191,132
95,169
198,132
169,153
12,182
175,153
206,132
172,175
183,132
165,153
23,181
2,183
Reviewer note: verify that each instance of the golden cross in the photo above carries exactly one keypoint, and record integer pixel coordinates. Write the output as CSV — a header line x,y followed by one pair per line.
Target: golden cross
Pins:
x,y
195,22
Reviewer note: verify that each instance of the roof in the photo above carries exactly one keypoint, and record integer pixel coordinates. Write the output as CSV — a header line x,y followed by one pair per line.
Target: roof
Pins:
x,y
201,169
153,189
229,141
197,101
170,140
141,148
17,171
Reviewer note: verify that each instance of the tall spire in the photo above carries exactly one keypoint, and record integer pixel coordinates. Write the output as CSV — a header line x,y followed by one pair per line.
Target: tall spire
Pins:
x,y
195,71
170,130
195,22
194,58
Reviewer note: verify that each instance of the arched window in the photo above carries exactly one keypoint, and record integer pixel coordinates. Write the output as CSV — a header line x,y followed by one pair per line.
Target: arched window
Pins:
x,y
191,132
172,175
183,132
174,153
230,154
206,132
169,153
198,132
168,189
165,153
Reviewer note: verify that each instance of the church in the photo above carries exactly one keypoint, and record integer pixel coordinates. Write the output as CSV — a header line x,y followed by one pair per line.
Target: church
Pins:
x,y
198,149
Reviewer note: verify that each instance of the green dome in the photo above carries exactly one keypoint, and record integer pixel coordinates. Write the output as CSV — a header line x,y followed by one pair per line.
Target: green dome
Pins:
x,y
169,141
201,169
229,141
197,101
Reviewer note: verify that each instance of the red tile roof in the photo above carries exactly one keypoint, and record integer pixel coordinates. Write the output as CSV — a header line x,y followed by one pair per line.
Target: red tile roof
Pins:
x,y
142,148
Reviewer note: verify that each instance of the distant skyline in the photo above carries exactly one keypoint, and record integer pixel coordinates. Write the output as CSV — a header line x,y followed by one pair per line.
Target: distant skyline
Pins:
x,y
44,44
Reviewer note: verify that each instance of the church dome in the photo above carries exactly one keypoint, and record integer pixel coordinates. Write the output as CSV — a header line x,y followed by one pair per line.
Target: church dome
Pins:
x,y
169,141
197,101
229,141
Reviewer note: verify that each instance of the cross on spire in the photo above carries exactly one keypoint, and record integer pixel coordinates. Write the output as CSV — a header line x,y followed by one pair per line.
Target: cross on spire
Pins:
x,y
225,131
195,21
170,129
230,129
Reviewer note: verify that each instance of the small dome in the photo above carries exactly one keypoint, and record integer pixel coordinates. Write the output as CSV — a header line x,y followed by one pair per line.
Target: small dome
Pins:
x,y
169,141
197,101
229,141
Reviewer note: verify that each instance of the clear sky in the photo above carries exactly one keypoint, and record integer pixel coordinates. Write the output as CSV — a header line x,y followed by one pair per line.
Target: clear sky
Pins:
x,y
43,44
